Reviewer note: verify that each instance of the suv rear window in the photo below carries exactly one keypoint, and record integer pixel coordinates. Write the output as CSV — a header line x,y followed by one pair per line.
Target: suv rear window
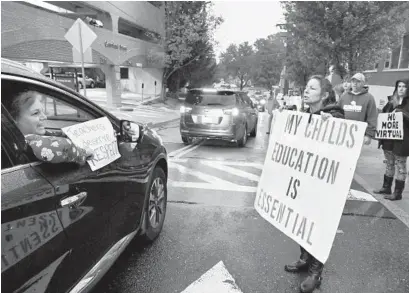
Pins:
x,y
219,98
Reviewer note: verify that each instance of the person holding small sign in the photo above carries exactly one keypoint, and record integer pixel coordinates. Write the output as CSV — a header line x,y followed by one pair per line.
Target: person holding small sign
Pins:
x,y
396,151
27,110
320,97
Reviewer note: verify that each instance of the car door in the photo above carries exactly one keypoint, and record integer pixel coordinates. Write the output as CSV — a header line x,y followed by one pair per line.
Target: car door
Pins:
x,y
34,247
253,113
107,202
247,112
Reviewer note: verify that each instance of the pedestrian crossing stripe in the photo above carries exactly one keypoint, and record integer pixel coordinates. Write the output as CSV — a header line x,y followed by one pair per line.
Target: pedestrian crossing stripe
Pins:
x,y
233,168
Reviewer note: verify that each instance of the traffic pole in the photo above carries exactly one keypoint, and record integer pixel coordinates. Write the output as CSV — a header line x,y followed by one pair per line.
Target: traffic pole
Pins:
x,y
82,62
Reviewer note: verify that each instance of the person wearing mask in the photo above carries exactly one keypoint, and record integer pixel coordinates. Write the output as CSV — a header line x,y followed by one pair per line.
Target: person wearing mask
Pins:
x,y
27,111
320,98
396,151
359,105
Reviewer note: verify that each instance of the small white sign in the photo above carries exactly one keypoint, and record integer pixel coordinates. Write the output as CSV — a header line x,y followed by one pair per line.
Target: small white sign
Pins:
x,y
389,126
97,135
307,174
87,35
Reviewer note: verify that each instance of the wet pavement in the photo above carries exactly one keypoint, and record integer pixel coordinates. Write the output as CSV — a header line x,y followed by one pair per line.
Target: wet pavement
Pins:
x,y
211,224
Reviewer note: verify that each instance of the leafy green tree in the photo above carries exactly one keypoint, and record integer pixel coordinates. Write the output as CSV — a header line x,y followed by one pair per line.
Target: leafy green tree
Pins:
x,y
239,63
350,35
189,28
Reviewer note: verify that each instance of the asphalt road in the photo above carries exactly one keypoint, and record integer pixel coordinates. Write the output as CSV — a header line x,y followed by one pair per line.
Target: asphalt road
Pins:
x,y
211,225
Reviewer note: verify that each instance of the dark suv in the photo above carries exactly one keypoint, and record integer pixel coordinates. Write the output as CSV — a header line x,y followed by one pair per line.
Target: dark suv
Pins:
x,y
218,114
64,225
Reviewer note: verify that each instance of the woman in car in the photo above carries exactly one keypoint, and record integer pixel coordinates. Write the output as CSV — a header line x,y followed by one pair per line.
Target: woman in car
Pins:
x,y
27,111
320,97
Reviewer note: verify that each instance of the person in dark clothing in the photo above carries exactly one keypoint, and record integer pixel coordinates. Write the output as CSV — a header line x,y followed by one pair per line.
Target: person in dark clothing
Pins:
x,y
320,98
396,151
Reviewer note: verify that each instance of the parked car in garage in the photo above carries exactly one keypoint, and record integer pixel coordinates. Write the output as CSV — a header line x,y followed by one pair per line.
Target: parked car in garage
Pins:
x,y
218,114
64,225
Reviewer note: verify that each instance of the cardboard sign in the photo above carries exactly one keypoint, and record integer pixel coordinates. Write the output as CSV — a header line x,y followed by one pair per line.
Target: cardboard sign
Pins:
x,y
306,177
97,135
389,126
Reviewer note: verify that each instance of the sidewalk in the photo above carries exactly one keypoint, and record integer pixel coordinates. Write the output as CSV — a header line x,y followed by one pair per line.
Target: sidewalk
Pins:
x,y
129,100
369,174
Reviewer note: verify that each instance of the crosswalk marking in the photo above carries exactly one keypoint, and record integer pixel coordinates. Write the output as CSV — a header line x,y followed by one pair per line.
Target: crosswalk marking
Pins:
x,y
232,168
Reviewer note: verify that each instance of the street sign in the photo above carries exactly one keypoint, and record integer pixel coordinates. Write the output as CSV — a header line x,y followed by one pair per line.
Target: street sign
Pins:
x,y
81,38
87,36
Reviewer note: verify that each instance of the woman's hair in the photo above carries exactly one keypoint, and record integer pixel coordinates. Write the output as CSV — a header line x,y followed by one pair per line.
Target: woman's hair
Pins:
x,y
326,87
22,99
394,97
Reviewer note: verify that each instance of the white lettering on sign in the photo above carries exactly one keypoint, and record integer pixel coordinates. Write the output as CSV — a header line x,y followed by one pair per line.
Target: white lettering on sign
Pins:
x,y
389,126
315,161
97,135
23,236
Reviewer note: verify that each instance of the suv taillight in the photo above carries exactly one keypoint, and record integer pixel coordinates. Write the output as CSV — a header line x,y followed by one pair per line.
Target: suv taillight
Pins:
x,y
184,109
233,112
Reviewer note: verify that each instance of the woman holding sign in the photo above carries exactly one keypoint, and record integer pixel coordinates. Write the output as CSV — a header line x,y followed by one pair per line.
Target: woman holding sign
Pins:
x,y
27,110
396,151
320,97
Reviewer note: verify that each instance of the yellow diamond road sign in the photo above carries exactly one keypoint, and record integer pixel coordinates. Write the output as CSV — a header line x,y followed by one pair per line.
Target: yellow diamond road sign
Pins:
x,y
87,35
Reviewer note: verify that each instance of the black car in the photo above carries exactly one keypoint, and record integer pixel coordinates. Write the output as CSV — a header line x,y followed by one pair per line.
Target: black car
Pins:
x,y
64,225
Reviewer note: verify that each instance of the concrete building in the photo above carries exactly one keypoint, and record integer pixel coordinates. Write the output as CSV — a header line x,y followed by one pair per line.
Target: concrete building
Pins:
x,y
393,66
33,34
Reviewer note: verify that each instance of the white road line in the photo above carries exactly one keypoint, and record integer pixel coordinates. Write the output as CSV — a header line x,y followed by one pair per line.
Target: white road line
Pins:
x,y
203,176
175,152
359,195
189,150
213,186
233,171
229,163
216,280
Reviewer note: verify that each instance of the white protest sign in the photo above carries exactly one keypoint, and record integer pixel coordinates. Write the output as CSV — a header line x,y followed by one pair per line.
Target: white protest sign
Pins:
x,y
306,177
389,126
97,135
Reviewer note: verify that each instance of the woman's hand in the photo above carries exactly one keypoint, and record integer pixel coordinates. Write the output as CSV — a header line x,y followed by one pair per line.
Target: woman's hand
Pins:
x,y
89,154
325,116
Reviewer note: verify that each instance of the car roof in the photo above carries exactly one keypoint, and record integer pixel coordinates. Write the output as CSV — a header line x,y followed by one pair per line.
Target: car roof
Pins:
x,y
17,69
210,90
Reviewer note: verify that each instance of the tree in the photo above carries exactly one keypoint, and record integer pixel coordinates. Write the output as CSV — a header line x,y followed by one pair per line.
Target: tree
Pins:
x,y
239,63
350,35
189,27
270,56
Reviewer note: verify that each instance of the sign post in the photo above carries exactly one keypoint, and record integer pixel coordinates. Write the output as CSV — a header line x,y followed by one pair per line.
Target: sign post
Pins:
x,y
81,39
155,88
143,85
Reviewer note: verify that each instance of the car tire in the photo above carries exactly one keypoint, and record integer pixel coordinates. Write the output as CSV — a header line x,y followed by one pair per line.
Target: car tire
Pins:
x,y
253,133
156,206
92,85
186,140
242,141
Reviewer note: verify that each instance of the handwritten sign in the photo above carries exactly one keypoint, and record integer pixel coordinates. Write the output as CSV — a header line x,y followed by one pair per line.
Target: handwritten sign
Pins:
x,y
97,135
389,126
306,177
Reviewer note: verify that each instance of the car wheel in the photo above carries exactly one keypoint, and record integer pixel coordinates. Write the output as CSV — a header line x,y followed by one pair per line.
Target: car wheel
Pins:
x,y
92,85
242,141
253,133
155,210
186,140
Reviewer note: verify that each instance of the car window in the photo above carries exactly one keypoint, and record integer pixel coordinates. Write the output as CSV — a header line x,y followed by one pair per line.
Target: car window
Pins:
x,y
219,98
5,159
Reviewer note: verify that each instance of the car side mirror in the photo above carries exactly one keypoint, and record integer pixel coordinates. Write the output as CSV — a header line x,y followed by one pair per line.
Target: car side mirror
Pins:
x,y
130,131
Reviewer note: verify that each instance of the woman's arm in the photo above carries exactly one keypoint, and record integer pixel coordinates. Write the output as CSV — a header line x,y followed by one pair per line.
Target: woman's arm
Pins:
x,y
55,149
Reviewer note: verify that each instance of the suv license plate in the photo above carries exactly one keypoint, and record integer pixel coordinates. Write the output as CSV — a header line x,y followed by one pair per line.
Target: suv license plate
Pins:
x,y
209,119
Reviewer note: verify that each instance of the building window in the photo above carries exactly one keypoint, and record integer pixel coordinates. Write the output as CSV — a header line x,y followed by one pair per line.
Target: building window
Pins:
x,y
388,60
124,73
404,57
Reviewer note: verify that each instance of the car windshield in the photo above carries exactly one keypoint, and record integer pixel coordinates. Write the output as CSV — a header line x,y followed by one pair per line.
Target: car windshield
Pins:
x,y
219,98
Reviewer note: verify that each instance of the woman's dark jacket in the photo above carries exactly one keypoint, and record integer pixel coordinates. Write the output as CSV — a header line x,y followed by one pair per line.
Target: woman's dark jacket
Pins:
x,y
333,109
398,147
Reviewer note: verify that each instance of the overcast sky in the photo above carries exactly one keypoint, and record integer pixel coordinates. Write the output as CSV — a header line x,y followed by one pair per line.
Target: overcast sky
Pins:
x,y
246,21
